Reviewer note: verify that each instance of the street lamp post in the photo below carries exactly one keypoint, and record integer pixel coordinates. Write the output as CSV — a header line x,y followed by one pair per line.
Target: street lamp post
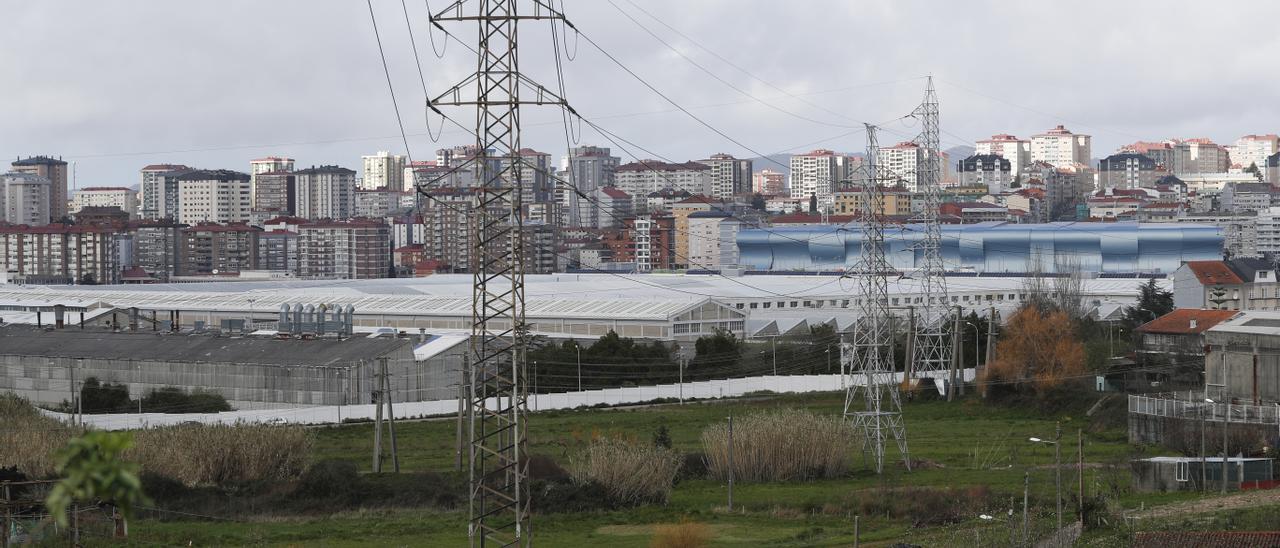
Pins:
x,y
578,349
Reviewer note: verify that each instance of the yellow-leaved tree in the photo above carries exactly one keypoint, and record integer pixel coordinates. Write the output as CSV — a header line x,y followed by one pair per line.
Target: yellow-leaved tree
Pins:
x,y
1037,352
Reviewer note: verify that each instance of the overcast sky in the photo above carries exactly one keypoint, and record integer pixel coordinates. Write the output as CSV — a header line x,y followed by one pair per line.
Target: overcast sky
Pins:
x,y
117,85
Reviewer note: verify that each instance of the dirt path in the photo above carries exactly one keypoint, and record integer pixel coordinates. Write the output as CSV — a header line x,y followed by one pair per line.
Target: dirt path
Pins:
x,y
1229,502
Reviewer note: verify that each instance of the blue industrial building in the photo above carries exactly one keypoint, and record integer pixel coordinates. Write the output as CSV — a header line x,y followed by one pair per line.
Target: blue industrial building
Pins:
x,y
1004,248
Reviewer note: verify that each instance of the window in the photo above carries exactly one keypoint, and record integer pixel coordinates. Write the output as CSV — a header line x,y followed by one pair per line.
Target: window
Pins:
x,y
1180,471
766,305
753,305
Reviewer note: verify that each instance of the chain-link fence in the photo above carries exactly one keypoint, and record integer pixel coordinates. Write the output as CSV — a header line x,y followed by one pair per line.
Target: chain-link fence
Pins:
x,y
25,520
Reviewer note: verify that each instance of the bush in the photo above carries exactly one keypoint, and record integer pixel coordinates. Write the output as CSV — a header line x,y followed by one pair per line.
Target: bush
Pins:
x,y
569,497
693,466
28,439
228,456
328,478
631,473
174,400
785,445
680,535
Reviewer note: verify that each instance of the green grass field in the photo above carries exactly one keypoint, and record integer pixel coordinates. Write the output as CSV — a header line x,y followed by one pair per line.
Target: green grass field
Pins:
x,y
966,444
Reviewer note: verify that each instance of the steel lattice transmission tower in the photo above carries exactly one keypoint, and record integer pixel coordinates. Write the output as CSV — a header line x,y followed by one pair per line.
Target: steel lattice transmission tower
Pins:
x,y
932,345
867,363
499,511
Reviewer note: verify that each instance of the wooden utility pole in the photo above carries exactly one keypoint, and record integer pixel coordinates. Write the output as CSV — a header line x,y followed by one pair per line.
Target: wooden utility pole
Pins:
x,y
391,413
377,424
1026,493
462,400
730,463
951,377
8,517
1057,474
911,345
1080,474
991,330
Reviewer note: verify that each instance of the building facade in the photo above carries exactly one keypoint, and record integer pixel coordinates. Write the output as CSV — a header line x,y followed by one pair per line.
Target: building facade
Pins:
x,y
349,250
588,168
60,254
53,169
649,176
24,199
213,196
99,196
159,191
768,182
1127,170
1016,151
217,249
325,192
992,171
383,171
816,174
729,176
1060,147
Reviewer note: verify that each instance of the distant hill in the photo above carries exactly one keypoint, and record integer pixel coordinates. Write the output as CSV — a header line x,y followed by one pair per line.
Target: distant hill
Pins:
x,y
960,152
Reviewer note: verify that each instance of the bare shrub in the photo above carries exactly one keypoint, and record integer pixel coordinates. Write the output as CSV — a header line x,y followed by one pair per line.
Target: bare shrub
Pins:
x,y
680,535
784,445
28,440
630,472
223,455
196,455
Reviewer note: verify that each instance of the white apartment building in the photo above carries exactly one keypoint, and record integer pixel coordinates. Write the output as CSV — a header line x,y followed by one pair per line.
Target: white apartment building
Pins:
x,y
270,164
1060,147
816,173
713,240
375,204
987,170
159,191
729,176
1254,149
1268,230
100,196
904,161
214,196
648,176
383,171
1016,151
25,198
325,192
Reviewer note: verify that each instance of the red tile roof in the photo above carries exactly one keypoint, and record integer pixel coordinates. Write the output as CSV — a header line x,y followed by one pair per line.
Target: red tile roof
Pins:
x,y
1213,272
1179,321
614,192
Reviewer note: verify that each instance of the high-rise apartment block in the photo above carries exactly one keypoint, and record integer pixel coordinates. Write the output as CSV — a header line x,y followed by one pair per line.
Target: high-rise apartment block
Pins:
x,y
1060,147
816,173
383,171
768,182
729,176
53,169
351,250
24,198
1127,170
1016,151
274,193
589,168
1254,150
60,254
901,163
106,196
1200,155
159,191
213,196
1160,152
217,249
324,192
376,204
649,176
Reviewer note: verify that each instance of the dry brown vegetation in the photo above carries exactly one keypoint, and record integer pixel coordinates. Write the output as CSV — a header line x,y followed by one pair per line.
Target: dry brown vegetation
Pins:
x,y
196,455
630,472
784,445
1038,351
680,535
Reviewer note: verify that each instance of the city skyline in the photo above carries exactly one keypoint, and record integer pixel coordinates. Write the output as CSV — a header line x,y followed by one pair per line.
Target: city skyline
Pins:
x,y
104,112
